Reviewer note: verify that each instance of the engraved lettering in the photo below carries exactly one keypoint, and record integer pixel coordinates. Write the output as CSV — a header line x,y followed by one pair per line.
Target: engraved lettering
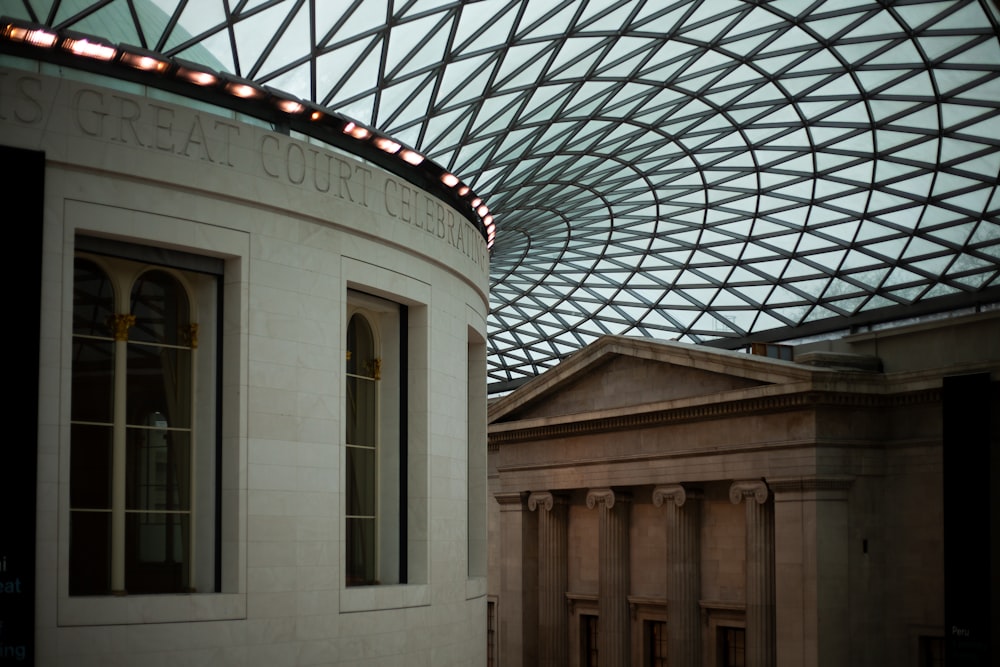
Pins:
x,y
163,127
227,140
389,197
90,120
265,153
300,160
33,104
196,136
128,113
366,174
319,157
406,204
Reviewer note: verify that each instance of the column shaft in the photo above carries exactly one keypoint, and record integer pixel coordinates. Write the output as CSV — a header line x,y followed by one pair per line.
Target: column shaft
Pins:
x,y
683,513
518,582
760,631
614,630
553,624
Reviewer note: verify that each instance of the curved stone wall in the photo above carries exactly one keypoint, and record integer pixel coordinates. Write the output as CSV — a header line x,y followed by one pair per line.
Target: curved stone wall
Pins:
x,y
300,235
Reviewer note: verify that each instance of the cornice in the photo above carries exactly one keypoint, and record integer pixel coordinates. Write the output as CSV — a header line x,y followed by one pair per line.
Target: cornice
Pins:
x,y
709,411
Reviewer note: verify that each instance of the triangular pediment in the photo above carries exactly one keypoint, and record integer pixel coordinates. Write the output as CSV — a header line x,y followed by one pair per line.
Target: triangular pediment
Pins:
x,y
619,372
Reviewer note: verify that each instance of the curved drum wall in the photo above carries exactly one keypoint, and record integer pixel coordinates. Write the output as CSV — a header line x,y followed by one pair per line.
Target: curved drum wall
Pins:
x,y
301,236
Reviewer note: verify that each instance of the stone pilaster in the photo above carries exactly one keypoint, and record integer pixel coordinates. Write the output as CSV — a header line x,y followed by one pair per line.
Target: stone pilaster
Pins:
x,y
518,604
760,600
683,510
553,554
815,616
614,633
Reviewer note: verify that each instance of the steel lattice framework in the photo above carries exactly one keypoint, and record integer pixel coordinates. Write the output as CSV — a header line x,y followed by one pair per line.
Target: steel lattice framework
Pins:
x,y
712,171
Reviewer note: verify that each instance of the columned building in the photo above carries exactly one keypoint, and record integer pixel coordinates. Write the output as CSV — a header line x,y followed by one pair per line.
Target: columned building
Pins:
x,y
674,505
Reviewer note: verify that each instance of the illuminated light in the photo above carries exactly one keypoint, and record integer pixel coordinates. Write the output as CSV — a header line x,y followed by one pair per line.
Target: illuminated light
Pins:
x,y
356,131
413,157
487,219
387,145
291,106
482,210
464,190
243,90
88,49
143,62
315,115
33,36
491,229
476,202
451,180
197,77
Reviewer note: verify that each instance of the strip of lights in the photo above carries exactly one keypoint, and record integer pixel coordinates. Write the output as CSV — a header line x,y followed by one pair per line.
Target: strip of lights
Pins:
x,y
281,109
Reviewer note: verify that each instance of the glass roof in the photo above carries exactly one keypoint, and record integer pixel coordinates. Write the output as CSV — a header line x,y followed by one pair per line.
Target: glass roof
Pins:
x,y
707,171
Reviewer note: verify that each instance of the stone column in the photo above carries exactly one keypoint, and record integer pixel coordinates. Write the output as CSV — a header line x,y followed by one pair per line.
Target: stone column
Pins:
x,y
683,509
518,603
760,637
553,553
614,639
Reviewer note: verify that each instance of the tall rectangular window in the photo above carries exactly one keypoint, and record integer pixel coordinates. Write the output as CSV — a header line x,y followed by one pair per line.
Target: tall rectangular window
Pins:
x,y
656,643
491,634
588,636
476,453
731,647
143,443
375,445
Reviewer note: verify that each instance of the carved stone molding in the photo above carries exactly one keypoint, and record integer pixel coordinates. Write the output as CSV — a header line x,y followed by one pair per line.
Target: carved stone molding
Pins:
x,y
811,483
511,501
722,410
747,489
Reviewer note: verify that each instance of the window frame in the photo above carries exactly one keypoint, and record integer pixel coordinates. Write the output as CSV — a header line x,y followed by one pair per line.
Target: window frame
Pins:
x,y
81,224
412,295
124,275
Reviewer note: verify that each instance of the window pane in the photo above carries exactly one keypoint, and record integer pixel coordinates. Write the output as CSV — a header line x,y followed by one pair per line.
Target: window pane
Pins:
x,y
360,411
90,467
656,632
159,386
360,552
360,481
93,380
160,306
159,470
589,631
156,552
732,647
89,553
93,300
360,347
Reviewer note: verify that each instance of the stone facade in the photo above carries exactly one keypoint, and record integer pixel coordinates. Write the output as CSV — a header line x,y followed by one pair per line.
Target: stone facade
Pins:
x,y
789,512
299,236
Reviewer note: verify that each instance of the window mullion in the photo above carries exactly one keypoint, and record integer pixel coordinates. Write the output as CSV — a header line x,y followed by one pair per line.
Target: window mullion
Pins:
x,y
118,453
192,461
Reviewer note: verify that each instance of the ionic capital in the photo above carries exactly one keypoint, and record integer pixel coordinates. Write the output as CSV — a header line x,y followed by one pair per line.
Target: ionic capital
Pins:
x,y
606,497
675,492
755,488
545,500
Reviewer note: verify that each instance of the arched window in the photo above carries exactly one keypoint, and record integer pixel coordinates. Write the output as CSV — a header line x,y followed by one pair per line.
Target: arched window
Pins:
x,y
132,437
361,414
158,436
